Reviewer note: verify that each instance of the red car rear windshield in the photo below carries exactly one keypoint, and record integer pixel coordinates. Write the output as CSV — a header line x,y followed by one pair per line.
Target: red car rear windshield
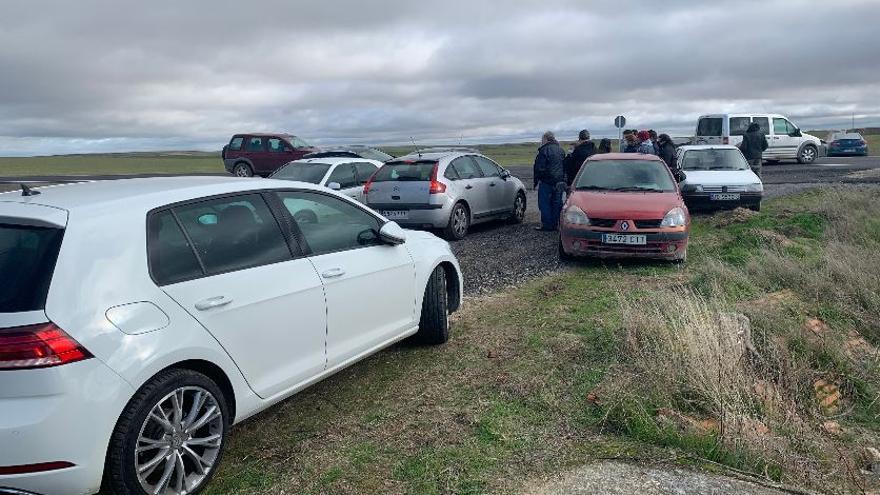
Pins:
x,y
403,171
27,260
625,175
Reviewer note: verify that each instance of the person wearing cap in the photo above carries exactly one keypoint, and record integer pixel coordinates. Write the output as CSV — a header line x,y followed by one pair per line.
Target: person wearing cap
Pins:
x,y
549,176
583,149
645,145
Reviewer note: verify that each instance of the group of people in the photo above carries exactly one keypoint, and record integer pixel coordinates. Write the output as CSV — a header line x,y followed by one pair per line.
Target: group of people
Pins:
x,y
555,170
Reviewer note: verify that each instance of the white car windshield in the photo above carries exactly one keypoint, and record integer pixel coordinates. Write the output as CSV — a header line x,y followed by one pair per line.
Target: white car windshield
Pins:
x,y
712,159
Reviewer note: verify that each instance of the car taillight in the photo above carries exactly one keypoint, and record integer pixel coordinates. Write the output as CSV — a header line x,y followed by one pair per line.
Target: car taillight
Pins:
x,y
835,143
437,187
369,183
38,346
864,143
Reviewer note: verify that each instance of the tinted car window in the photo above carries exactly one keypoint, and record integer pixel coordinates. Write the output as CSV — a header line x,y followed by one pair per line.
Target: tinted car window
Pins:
x,y
27,260
709,126
330,224
275,145
172,258
256,144
365,171
235,144
763,124
233,233
739,125
345,175
403,171
625,175
487,166
714,160
373,154
302,171
466,168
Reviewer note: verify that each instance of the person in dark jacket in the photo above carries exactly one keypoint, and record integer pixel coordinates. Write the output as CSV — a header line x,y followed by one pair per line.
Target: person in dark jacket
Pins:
x,y
753,145
583,149
666,151
549,174
630,143
604,146
654,138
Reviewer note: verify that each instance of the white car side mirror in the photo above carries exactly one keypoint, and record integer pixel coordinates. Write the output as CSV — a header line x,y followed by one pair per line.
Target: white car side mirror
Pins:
x,y
392,233
335,186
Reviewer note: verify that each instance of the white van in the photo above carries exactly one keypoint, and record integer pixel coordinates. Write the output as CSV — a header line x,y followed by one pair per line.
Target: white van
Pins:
x,y
786,140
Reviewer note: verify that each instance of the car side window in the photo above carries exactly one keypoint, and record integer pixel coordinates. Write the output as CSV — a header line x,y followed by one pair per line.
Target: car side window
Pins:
x,y
451,173
171,256
487,166
329,224
233,233
365,170
763,124
345,174
466,168
235,144
782,126
275,145
739,125
256,143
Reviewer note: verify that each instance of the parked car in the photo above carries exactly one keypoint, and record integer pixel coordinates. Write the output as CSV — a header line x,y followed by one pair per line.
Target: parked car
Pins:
x,y
717,177
624,205
447,189
141,318
785,140
351,151
345,175
847,143
248,155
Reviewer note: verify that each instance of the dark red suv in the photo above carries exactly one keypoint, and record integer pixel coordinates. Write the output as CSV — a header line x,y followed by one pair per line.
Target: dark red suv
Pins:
x,y
252,154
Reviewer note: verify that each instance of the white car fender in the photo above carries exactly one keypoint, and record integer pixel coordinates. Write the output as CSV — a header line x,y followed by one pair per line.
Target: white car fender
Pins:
x,y
428,252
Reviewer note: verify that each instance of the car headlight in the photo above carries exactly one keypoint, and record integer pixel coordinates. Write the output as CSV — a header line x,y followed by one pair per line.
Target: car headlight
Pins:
x,y
757,187
675,218
575,216
698,188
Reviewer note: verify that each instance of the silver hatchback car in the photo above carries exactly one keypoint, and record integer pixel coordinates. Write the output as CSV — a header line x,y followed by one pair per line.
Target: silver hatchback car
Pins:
x,y
448,189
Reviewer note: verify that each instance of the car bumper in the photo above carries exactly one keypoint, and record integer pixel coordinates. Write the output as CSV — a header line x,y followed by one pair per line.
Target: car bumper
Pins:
x,y
659,245
848,151
704,201
421,217
62,414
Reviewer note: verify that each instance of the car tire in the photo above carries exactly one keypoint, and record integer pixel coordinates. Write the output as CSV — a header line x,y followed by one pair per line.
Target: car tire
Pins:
x,y
434,321
459,223
563,256
771,162
242,169
139,430
756,207
518,214
808,154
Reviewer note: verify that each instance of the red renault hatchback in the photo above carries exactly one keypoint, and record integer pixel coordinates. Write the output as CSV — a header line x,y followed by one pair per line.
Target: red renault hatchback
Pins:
x,y
624,205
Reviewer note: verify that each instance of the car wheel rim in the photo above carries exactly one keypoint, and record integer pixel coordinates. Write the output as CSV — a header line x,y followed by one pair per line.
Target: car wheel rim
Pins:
x,y
809,155
459,222
519,208
179,442
241,172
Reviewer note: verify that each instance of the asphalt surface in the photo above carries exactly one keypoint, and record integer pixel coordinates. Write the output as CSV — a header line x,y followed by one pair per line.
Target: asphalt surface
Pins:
x,y
498,255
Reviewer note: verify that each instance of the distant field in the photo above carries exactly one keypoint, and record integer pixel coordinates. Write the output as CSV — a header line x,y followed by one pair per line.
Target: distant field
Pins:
x,y
121,163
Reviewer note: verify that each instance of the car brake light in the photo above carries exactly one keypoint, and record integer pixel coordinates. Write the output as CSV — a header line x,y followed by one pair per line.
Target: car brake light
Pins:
x,y
437,187
38,346
835,143
864,143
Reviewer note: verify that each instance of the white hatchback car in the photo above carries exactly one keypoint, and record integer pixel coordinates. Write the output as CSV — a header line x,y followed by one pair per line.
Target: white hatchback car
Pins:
x,y
141,318
718,176
344,174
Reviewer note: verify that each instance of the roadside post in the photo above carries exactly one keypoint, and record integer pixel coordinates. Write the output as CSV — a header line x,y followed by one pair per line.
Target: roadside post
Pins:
x,y
619,122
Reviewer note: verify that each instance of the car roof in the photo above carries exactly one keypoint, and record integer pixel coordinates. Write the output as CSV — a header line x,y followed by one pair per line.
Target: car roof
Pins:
x,y
335,160
268,134
432,156
625,156
708,147
847,135
119,195
743,114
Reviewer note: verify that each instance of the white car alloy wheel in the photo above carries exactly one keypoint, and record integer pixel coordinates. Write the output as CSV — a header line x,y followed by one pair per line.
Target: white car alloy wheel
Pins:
x,y
179,442
808,154
242,170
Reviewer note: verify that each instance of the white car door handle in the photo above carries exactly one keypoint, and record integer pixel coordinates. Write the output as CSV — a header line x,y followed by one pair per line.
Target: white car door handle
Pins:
x,y
333,273
212,302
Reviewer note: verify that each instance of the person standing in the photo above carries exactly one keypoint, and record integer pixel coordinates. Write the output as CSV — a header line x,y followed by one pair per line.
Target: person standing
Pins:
x,y
653,134
583,149
645,145
666,151
604,146
753,145
630,145
549,179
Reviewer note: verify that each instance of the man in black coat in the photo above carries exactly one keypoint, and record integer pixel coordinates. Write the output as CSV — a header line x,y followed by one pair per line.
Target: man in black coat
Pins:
x,y
666,151
583,149
549,174
753,145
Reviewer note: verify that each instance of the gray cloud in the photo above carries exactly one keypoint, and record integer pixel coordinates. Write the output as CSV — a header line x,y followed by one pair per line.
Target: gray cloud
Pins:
x,y
106,75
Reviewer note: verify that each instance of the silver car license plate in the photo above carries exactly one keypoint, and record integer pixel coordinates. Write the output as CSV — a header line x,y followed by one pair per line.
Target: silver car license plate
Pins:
x,y
628,239
724,197
395,214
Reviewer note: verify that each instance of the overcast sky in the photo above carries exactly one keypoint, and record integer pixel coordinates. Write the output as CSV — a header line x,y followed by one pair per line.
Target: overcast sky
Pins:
x,y
85,75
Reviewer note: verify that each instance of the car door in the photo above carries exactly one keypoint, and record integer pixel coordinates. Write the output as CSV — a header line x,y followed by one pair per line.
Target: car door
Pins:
x,y
369,285
278,153
259,157
252,291
783,144
500,191
345,175
474,189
